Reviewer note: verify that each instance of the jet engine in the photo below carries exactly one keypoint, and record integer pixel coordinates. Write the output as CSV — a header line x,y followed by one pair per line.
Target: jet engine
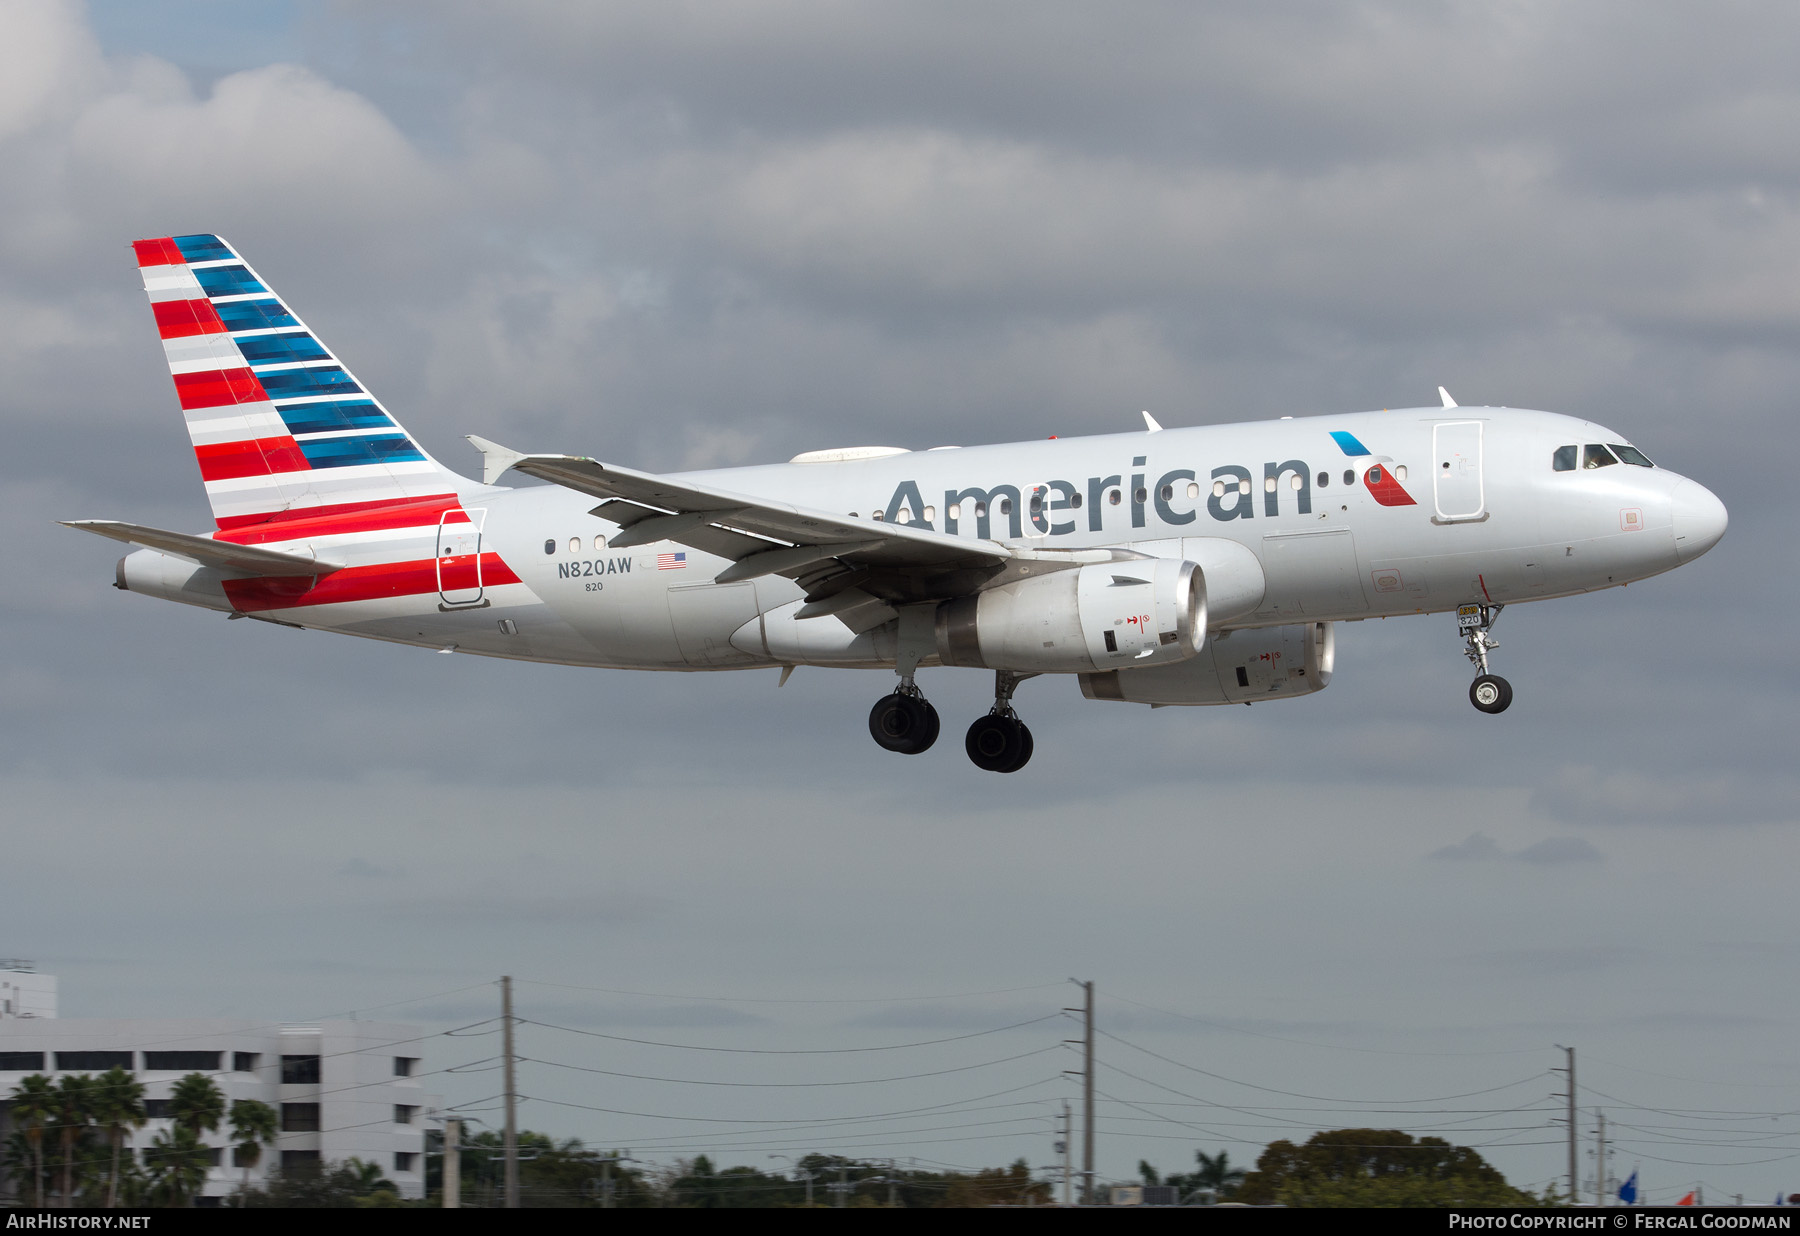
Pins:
x,y
1149,611
1237,667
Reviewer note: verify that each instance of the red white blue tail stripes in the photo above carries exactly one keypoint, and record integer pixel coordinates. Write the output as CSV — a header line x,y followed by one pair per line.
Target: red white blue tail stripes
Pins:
x,y
281,428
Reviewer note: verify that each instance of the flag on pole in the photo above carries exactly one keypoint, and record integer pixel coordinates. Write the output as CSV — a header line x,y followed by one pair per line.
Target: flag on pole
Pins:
x,y
1628,1190
1688,1200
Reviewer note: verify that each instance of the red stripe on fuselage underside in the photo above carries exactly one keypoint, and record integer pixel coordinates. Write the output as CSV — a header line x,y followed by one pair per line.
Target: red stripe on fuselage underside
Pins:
x,y
226,461
159,252
177,319
314,521
215,388
365,583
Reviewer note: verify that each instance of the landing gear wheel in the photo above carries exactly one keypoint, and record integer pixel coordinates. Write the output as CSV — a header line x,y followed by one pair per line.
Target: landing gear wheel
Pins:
x,y
998,744
903,723
1025,746
1490,693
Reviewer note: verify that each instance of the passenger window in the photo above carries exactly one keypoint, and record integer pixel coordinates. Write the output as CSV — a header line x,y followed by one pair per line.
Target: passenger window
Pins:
x,y
1193,489
1112,497
1631,455
1324,479
1074,502
1139,494
1218,489
1375,474
980,510
599,543
1006,506
1349,476
1168,492
1597,456
931,514
1564,459
550,546
574,544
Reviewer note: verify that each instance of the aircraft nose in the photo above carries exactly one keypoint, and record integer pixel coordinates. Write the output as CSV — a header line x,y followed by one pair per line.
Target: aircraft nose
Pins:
x,y
1699,519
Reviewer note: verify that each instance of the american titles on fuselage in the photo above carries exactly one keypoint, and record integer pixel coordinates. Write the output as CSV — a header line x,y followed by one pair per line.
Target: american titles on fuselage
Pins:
x,y
1032,509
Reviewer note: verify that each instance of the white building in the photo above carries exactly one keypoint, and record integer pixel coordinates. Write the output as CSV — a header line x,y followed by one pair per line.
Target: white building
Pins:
x,y
342,1089
24,992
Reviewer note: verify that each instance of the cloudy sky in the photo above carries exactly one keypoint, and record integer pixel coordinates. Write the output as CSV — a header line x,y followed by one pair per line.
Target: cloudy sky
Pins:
x,y
683,235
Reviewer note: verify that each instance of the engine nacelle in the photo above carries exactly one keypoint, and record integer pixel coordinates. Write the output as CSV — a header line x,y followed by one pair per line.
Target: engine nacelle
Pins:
x,y
1238,667
1097,617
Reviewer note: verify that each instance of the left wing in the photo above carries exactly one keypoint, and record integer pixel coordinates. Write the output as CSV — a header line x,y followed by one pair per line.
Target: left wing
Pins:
x,y
856,569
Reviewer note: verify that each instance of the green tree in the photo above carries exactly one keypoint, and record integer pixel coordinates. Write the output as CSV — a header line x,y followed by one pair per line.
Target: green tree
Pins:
x,y
197,1104
74,1112
33,1108
253,1126
177,1161
1376,1167
118,1104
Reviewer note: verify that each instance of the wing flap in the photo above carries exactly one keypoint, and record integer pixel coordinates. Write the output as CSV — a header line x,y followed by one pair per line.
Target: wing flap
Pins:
x,y
244,559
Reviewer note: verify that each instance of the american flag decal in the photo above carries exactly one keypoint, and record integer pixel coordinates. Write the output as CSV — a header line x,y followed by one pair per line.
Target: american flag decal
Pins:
x,y
671,562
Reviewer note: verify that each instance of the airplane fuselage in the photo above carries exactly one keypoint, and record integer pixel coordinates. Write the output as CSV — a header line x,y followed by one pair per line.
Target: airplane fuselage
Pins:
x,y
1428,510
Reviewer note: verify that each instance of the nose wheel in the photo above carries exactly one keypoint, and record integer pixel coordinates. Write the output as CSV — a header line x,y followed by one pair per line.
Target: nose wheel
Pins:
x,y
1000,742
1489,692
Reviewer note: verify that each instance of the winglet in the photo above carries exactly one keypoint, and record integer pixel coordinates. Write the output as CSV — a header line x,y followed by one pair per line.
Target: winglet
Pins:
x,y
495,459
1150,424
1445,396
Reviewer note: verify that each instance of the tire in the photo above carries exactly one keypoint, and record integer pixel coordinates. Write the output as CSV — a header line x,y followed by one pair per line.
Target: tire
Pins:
x,y
993,743
1490,693
903,723
1025,748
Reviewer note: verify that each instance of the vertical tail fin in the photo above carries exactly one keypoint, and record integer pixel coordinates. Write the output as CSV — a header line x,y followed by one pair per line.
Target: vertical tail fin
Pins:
x,y
281,428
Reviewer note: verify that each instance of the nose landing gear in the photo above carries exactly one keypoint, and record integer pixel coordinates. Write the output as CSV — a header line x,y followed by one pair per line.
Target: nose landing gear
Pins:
x,y
1000,742
1489,692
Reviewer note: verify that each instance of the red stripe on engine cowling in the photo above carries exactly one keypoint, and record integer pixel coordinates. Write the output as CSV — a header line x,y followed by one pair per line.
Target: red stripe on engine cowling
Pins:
x,y
225,461
159,252
177,319
214,388
364,583
307,522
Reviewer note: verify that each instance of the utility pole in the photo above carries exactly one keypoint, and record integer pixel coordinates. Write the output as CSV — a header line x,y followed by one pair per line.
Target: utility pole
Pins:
x,y
1574,1133
1600,1159
1068,1134
452,1163
512,1098
1087,1090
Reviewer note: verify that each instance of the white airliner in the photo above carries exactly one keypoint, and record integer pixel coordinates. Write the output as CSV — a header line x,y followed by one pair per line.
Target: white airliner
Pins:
x,y
1162,567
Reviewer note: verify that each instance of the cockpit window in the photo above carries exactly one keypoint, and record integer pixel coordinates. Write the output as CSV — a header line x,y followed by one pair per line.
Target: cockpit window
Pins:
x,y
1596,456
1631,455
1564,459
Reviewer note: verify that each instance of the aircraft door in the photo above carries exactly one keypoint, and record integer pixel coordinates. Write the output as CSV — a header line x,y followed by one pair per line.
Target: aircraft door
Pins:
x,y
1456,480
459,558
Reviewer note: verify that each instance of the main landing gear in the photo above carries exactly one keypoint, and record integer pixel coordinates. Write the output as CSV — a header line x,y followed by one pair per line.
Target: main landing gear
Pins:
x,y
1489,692
904,721
999,742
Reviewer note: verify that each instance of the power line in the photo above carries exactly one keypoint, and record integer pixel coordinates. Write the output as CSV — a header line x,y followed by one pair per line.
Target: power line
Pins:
x,y
788,1051
867,1081
663,995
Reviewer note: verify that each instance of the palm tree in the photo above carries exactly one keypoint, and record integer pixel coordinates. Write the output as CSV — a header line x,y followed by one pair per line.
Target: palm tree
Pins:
x,y
177,1161
253,1126
33,1106
197,1104
118,1105
1216,1173
74,1111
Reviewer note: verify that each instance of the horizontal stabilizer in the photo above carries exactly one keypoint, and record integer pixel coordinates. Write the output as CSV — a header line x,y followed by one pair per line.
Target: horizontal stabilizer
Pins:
x,y
243,559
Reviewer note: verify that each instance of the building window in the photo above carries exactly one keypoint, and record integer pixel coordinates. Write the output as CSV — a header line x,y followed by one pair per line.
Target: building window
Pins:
x,y
215,1156
183,1061
245,1061
299,1117
299,1070
241,1158
301,1159
405,1160
156,1109
21,1061
99,1061
403,1113
404,1065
